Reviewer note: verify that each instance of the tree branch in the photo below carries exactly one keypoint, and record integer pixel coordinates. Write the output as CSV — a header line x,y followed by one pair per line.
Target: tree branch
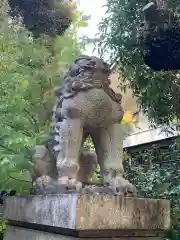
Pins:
x,y
19,179
33,120
8,149
23,131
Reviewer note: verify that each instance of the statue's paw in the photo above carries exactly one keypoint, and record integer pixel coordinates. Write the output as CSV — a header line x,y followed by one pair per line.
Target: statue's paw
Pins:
x,y
70,184
122,187
42,183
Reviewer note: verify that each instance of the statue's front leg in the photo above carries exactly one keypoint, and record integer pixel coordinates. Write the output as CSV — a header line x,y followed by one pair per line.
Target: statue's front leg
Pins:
x,y
108,142
69,142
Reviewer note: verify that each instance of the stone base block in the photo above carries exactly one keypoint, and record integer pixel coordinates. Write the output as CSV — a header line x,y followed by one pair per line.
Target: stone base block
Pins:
x,y
18,233
73,216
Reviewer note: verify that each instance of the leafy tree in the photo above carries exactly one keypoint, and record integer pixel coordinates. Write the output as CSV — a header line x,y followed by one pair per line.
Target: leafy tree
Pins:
x,y
29,70
158,93
51,17
156,175
158,36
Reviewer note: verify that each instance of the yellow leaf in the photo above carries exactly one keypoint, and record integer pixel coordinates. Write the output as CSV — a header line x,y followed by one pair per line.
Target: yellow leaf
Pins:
x,y
128,118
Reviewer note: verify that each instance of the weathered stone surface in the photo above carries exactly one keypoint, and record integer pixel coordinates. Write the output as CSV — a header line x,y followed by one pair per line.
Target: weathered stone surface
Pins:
x,y
90,215
86,106
17,233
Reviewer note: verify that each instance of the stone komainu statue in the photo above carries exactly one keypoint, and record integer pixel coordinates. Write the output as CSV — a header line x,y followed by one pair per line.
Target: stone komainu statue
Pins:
x,y
85,106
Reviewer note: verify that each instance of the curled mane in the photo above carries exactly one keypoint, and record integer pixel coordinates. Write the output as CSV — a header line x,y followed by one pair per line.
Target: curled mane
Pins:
x,y
80,76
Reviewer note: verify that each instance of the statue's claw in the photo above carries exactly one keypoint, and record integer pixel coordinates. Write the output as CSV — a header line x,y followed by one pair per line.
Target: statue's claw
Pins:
x,y
70,184
122,187
43,184
47,185
115,182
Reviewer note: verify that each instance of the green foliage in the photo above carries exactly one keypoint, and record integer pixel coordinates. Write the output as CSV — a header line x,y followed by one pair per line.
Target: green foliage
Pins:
x,y
156,174
157,92
2,228
88,145
29,70
50,17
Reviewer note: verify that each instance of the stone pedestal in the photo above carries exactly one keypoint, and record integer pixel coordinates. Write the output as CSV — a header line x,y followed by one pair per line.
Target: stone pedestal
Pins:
x,y
77,216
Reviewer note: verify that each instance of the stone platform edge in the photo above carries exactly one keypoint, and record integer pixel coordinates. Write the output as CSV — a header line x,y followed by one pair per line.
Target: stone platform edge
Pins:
x,y
82,214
